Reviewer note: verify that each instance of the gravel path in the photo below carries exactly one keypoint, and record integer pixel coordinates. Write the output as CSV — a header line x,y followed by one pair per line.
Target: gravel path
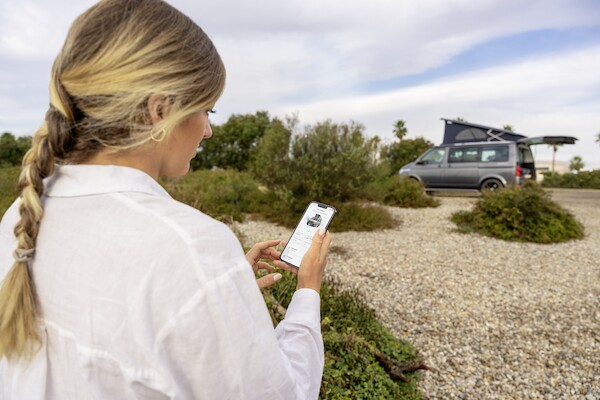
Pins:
x,y
497,320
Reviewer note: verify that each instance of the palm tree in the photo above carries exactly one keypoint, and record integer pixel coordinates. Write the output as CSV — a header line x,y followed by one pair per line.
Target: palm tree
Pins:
x,y
400,129
576,164
508,127
598,138
555,147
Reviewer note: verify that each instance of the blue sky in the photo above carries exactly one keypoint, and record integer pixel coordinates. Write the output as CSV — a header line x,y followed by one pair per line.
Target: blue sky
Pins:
x,y
532,64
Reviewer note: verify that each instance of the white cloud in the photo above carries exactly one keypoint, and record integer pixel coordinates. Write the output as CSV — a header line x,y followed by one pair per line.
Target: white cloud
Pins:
x,y
543,96
315,56
36,29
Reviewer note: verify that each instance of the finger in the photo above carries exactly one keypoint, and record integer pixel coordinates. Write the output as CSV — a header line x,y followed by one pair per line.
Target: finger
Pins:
x,y
270,254
266,244
285,267
317,241
325,245
264,265
268,280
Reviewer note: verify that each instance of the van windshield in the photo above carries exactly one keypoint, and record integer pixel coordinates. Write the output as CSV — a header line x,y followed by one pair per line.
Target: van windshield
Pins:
x,y
434,156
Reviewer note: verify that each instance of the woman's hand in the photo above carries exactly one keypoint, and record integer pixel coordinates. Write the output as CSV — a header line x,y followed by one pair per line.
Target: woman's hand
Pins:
x,y
310,274
266,251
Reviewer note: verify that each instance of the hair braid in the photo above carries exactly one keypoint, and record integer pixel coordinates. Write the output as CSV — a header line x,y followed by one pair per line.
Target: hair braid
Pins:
x,y
17,295
18,311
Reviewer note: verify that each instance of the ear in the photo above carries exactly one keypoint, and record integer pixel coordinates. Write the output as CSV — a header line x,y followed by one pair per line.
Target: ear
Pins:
x,y
157,107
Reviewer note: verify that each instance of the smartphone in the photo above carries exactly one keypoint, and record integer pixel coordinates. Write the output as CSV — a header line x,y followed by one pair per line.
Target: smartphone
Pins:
x,y
317,215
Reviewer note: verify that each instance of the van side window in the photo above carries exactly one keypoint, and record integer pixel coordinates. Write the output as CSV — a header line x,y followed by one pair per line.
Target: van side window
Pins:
x,y
494,153
463,154
435,156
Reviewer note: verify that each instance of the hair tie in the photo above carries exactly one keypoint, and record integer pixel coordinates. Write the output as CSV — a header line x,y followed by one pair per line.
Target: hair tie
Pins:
x,y
23,255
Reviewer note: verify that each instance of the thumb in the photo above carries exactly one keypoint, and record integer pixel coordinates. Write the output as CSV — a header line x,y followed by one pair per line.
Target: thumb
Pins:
x,y
268,280
317,240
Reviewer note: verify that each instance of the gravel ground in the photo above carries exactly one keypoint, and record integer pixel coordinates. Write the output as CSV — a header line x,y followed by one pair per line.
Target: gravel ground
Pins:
x,y
497,320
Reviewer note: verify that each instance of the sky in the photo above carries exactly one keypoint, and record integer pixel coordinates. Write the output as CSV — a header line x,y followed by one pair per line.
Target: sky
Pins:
x,y
532,64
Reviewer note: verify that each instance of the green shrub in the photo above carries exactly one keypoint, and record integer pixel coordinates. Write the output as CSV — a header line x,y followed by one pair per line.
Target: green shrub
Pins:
x,y
520,214
9,187
222,194
350,330
283,209
330,161
361,218
580,180
403,192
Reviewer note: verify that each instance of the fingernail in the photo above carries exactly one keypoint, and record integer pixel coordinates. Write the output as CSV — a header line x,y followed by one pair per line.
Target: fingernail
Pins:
x,y
276,277
322,231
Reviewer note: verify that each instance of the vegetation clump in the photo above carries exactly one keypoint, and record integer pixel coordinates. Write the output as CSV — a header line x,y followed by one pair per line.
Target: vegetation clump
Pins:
x,y
400,191
579,180
9,187
223,194
520,214
363,360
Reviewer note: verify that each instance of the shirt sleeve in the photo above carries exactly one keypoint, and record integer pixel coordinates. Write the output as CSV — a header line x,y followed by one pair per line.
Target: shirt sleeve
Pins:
x,y
299,336
222,343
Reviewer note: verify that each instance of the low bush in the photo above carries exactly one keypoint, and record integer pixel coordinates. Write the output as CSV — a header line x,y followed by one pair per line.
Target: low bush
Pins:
x,y
403,192
9,187
229,195
520,214
283,209
362,217
222,194
352,334
580,180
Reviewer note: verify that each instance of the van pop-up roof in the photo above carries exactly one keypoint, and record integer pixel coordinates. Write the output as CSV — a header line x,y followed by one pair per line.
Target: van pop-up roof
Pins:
x,y
463,132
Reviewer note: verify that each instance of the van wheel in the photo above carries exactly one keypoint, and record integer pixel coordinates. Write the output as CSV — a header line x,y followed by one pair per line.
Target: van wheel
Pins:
x,y
491,185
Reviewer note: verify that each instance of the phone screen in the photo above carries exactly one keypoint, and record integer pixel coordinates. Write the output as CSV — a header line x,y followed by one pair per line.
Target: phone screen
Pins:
x,y
317,215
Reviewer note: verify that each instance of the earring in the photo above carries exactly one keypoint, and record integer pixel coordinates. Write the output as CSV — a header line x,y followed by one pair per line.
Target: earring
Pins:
x,y
163,133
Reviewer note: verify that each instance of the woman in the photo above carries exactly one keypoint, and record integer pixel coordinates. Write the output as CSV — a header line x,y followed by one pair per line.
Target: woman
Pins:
x,y
110,288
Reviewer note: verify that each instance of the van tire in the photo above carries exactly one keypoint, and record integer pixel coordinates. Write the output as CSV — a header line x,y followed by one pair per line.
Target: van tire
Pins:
x,y
491,185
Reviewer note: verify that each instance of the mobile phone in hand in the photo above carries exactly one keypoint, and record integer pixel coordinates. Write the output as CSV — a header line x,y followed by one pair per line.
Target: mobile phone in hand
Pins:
x,y
317,215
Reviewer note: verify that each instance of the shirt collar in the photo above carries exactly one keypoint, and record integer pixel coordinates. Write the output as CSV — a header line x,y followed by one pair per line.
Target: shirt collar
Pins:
x,y
84,180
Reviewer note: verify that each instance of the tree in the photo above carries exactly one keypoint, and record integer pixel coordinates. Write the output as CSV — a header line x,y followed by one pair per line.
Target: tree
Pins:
x,y
401,153
233,144
576,164
271,160
598,138
508,127
400,129
12,149
330,162
460,119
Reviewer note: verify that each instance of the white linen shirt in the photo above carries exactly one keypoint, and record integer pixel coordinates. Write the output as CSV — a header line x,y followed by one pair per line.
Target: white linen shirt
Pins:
x,y
143,297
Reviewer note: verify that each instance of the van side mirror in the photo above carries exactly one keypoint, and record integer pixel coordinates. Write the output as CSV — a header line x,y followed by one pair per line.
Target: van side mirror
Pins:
x,y
420,162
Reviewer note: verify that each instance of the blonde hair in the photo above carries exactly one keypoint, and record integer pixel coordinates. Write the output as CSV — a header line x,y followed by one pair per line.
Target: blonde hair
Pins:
x,y
116,55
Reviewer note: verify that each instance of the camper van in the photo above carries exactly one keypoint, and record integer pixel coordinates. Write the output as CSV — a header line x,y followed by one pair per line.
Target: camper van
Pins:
x,y
478,157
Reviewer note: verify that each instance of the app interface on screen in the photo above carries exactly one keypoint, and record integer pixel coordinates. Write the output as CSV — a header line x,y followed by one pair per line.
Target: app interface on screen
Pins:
x,y
314,218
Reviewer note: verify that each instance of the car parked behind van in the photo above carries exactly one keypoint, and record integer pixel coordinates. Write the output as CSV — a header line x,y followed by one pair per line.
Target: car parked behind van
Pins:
x,y
478,157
